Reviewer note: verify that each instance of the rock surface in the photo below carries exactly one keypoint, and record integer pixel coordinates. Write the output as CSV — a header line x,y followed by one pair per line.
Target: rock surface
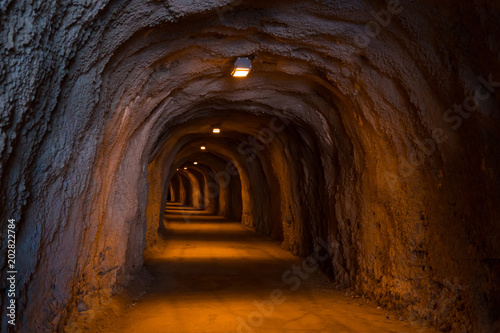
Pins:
x,y
368,125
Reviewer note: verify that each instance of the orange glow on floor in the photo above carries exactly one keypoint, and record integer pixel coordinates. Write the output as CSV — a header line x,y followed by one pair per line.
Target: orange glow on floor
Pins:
x,y
216,276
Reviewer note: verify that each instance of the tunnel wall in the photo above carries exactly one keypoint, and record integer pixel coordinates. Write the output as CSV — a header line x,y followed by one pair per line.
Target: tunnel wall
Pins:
x,y
174,183
411,186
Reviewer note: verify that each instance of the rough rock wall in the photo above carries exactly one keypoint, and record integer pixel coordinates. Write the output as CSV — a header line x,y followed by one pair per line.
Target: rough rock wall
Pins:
x,y
386,155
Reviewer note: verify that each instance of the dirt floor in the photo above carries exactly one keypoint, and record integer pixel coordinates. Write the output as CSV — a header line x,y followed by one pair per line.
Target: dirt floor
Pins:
x,y
213,275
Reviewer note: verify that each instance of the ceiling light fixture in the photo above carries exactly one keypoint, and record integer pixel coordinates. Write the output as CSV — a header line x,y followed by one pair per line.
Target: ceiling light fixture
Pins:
x,y
185,168
216,128
203,147
242,67
195,163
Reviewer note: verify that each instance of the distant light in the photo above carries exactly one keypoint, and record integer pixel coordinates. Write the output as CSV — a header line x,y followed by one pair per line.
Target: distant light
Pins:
x,y
185,168
216,128
195,163
242,67
203,147
177,169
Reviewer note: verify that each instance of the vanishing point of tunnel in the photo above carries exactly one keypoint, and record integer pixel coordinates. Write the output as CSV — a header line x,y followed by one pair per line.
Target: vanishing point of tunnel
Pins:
x,y
250,166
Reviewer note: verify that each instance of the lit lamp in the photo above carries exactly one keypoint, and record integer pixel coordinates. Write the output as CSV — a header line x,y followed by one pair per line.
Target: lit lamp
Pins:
x,y
203,147
185,168
216,129
242,67
195,163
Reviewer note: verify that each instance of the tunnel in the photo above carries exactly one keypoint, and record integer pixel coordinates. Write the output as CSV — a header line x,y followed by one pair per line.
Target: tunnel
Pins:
x,y
359,140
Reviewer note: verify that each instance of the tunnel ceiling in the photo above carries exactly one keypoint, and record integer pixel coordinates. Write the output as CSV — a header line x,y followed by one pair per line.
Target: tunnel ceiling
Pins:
x,y
103,101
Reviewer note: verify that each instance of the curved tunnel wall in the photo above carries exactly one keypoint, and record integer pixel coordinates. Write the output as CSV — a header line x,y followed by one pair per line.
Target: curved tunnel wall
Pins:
x,y
389,154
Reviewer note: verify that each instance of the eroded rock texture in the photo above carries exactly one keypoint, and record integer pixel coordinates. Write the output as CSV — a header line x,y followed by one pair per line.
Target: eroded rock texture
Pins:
x,y
372,126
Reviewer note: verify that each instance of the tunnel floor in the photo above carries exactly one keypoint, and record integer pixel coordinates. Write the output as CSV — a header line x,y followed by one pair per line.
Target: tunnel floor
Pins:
x,y
213,275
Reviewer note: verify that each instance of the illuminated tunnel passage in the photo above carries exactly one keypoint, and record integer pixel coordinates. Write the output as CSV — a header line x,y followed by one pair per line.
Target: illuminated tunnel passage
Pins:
x,y
214,275
370,126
